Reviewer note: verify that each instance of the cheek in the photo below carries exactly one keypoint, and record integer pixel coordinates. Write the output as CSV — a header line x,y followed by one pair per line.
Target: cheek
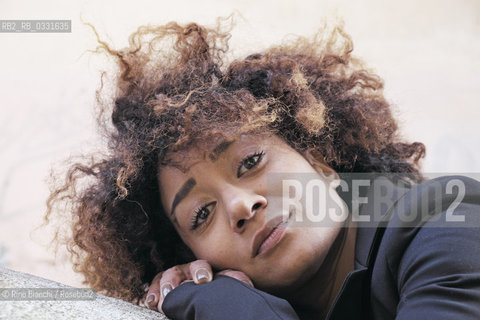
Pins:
x,y
217,248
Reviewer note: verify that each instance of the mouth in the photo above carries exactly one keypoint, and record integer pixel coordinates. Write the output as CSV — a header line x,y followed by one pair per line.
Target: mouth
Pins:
x,y
271,234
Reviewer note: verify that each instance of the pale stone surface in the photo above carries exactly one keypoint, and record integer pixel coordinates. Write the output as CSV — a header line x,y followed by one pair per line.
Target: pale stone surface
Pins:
x,y
97,307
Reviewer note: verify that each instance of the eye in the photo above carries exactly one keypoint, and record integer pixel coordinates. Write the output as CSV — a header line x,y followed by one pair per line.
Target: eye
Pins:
x,y
201,215
249,162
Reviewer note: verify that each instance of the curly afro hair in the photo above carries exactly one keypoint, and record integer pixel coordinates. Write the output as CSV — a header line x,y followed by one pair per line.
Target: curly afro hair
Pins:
x,y
175,90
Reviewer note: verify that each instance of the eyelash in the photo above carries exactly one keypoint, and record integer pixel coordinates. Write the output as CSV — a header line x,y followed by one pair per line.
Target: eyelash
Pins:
x,y
198,212
197,216
259,155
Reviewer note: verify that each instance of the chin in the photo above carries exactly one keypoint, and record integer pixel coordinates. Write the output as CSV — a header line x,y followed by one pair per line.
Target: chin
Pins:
x,y
288,273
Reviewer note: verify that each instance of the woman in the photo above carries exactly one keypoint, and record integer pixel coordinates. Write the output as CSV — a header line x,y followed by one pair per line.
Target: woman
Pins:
x,y
193,188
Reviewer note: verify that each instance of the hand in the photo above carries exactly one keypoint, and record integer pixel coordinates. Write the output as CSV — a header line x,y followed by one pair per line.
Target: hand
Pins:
x,y
198,271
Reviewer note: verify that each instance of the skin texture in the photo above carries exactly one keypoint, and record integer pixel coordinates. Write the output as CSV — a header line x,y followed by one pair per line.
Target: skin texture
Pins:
x,y
174,92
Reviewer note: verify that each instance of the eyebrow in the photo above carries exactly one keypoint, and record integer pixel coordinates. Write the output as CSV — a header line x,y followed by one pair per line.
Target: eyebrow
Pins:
x,y
190,183
182,193
218,150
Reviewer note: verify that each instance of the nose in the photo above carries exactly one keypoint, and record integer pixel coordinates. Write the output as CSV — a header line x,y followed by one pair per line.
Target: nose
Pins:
x,y
242,206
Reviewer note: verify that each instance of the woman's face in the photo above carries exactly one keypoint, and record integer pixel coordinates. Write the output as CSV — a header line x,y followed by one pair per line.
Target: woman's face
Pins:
x,y
224,213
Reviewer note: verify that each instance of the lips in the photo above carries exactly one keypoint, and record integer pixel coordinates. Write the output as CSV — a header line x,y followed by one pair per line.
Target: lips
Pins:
x,y
267,237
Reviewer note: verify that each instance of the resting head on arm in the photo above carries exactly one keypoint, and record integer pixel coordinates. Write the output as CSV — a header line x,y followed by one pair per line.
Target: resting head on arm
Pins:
x,y
191,141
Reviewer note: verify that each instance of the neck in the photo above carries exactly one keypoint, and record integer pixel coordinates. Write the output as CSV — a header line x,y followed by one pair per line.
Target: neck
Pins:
x,y
317,296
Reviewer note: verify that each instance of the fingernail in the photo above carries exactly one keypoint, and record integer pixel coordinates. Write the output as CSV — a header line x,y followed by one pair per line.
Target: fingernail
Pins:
x,y
166,289
150,299
202,276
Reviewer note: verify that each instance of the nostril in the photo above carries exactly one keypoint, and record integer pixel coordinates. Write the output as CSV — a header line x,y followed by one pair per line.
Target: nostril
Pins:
x,y
256,206
240,223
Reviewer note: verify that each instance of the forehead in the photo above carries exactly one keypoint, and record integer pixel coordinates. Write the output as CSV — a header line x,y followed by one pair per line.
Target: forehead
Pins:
x,y
179,162
211,149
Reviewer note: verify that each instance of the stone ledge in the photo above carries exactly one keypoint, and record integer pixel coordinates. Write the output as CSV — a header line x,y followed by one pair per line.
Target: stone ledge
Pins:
x,y
97,307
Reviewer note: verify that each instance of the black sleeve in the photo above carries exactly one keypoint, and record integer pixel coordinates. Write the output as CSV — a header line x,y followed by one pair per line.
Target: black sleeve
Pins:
x,y
439,275
224,298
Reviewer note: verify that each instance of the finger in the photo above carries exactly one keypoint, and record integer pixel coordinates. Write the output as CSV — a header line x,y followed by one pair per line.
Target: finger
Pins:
x,y
201,271
153,293
237,275
171,279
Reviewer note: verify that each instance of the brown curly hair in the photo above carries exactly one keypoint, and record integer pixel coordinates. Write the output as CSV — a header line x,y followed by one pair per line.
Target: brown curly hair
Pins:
x,y
174,92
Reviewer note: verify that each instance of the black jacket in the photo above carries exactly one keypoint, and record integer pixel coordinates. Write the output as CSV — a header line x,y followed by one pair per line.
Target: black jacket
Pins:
x,y
414,259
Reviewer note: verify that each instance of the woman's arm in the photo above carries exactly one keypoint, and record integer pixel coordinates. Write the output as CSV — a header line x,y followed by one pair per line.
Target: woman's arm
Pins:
x,y
230,296
198,272
225,298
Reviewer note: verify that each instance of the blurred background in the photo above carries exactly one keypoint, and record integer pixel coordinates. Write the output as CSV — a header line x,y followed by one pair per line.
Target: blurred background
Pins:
x,y
427,51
